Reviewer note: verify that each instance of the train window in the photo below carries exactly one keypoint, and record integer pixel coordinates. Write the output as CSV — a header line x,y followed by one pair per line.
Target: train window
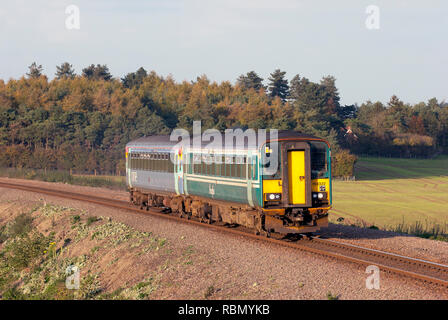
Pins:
x,y
206,165
202,170
217,165
190,164
236,168
195,168
167,162
209,169
158,162
319,165
227,166
147,161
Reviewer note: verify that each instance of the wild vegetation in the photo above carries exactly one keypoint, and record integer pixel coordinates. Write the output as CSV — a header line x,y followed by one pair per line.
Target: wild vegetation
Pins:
x,y
34,259
82,122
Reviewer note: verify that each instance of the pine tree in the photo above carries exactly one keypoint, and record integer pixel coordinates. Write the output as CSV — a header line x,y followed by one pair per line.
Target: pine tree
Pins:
x,y
134,79
295,88
97,72
35,70
278,85
329,84
65,70
250,81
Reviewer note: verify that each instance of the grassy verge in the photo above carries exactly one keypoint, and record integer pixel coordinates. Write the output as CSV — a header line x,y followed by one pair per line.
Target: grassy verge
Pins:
x,y
39,245
113,182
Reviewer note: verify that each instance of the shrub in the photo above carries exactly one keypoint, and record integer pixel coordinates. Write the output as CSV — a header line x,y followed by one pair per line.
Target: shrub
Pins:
x,y
24,250
343,164
209,292
331,296
91,220
75,219
3,234
22,224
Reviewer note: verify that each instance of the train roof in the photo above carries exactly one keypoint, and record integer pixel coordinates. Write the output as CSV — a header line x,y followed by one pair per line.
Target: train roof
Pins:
x,y
164,140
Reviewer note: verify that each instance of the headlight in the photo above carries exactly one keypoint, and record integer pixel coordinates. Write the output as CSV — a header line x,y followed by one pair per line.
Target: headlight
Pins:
x,y
273,196
320,195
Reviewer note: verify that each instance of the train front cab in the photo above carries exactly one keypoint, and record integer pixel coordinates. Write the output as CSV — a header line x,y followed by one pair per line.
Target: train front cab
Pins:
x,y
296,196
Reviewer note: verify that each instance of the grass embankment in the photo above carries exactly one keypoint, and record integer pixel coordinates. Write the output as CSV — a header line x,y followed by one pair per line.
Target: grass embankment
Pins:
x,y
37,247
402,195
112,182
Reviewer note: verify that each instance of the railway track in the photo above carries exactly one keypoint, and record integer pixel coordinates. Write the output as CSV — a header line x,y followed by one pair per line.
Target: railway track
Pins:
x,y
424,270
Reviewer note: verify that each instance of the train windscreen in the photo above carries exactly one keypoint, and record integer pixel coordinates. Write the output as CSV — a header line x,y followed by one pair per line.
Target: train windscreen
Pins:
x,y
319,161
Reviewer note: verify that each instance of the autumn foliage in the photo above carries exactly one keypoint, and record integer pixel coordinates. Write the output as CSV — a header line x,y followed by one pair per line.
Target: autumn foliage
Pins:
x,y
83,122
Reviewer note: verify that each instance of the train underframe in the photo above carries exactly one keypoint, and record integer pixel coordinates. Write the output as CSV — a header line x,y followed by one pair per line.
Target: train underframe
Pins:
x,y
262,221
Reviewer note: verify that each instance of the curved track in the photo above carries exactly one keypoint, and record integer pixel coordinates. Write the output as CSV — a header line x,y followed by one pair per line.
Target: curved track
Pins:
x,y
427,271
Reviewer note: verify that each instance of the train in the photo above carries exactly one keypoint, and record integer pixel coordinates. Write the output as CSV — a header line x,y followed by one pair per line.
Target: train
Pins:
x,y
236,185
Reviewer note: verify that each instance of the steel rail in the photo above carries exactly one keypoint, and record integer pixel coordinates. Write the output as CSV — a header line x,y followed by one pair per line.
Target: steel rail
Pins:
x,y
308,246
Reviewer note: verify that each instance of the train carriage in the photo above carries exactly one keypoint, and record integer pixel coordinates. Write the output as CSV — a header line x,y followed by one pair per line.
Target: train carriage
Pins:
x,y
233,185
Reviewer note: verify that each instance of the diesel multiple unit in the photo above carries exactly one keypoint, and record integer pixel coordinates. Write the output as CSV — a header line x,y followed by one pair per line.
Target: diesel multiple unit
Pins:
x,y
280,185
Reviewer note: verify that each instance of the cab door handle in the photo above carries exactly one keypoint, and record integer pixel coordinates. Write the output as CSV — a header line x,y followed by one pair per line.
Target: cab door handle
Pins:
x,y
302,178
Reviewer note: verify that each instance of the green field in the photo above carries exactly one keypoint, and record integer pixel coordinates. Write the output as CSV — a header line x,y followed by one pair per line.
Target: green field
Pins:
x,y
395,194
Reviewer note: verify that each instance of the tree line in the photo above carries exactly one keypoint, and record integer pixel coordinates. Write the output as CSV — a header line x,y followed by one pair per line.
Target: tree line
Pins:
x,y
83,121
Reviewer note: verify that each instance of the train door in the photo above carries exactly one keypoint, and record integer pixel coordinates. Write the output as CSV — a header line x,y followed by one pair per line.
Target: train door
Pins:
x,y
296,178
296,175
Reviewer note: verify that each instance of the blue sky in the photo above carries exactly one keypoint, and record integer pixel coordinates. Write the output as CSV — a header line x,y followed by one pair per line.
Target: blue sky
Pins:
x,y
407,56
